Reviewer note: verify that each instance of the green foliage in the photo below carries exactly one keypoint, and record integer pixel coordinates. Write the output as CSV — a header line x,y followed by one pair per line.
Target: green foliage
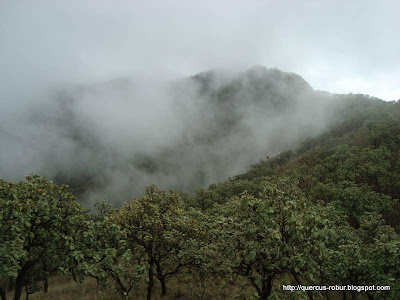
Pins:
x,y
222,192
38,223
275,233
159,233
325,214
106,254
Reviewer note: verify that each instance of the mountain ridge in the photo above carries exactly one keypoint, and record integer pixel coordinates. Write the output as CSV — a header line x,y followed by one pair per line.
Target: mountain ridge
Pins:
x,y
121,135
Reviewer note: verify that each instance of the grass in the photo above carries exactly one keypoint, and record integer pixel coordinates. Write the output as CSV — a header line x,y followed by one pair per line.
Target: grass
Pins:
x,y
65,288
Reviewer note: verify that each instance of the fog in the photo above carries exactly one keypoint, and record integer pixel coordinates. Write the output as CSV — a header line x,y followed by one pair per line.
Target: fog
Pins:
x,y
103,95
111,139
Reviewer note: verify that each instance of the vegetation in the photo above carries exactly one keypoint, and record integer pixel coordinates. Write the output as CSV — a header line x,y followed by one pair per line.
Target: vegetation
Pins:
x,y
326,213
37,234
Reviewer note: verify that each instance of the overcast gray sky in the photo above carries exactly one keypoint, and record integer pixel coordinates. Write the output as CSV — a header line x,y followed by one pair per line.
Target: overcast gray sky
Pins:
x,y
337,46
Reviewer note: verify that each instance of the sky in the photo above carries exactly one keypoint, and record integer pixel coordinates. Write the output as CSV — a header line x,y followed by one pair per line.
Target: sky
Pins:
x,y
337,46
63,114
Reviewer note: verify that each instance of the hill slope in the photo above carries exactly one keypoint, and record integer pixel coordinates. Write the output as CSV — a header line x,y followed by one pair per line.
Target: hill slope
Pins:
x,y
109,140
356,163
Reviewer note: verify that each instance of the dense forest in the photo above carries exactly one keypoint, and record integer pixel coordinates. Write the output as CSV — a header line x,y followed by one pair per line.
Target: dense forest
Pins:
x,y
321,209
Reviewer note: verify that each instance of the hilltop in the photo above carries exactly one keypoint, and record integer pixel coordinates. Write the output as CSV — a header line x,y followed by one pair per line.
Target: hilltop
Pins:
x,y
109,140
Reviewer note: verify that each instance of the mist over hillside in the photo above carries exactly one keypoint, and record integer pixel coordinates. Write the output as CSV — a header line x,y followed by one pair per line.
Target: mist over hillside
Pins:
x,y
109,140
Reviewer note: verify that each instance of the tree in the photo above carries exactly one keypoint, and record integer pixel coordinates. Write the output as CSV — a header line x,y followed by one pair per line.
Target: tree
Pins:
x,y
269,235
159,230
354,200
38,223
105,253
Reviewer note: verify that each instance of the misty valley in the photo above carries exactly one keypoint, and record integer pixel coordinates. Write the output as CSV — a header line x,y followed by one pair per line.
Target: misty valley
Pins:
x,y
109,140
221,185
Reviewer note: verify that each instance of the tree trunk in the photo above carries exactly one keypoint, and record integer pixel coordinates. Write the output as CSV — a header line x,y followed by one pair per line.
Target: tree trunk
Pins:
x,y
19,284
327,295
3,294
266,289
46,286
163,286
18,292
151,282
162,279
370,296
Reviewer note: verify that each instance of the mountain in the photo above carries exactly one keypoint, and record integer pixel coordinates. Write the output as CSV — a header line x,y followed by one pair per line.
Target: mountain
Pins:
x,y
111,139
354,164
305,190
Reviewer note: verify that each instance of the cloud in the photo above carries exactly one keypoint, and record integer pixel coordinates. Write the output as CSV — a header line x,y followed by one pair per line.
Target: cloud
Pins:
x,y
109,140
48,45
49,41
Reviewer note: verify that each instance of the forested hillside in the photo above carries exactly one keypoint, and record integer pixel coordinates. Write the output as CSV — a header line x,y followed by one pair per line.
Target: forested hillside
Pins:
x,y
111,139
325,211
